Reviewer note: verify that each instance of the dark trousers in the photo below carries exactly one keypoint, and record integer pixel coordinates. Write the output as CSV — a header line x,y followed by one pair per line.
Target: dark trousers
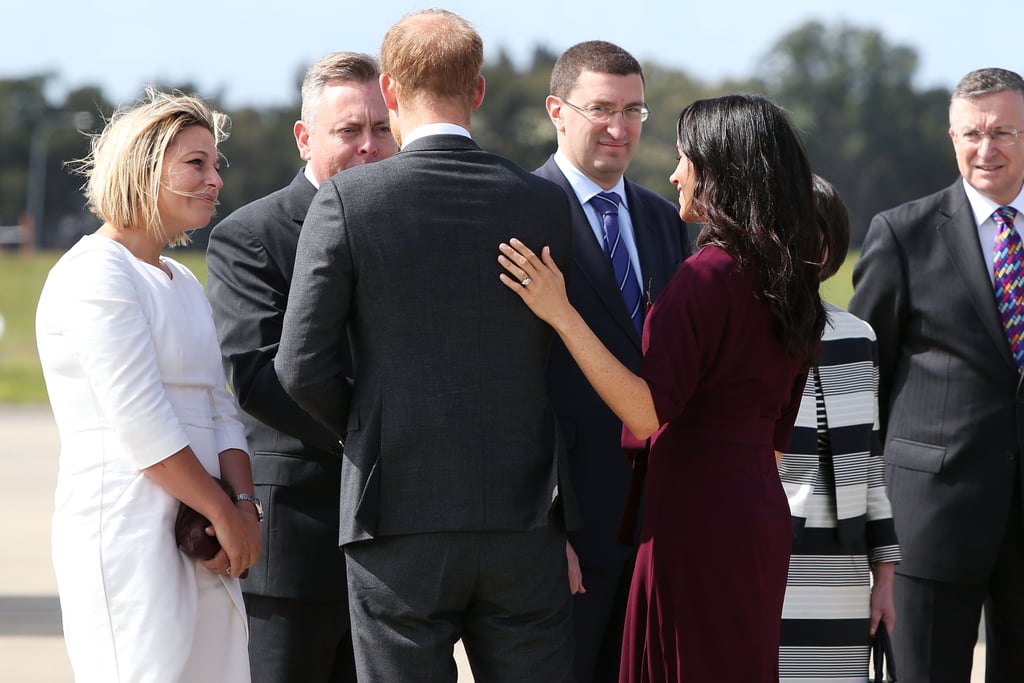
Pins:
x,y
937,623
299,640
598,616
504,593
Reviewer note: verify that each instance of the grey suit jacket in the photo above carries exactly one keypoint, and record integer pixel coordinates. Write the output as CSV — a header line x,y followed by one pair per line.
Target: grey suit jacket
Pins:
x,y
450,428
296,460
950,397
598,467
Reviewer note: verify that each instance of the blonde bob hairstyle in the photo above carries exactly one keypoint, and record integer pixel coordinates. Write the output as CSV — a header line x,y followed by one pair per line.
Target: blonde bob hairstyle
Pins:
x,y
125,161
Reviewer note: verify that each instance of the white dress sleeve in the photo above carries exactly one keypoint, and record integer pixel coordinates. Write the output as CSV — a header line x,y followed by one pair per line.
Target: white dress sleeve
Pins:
x,y
93,300
230,432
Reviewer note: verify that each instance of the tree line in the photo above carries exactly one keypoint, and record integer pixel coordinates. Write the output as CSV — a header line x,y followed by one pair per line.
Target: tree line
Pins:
x,y
866,128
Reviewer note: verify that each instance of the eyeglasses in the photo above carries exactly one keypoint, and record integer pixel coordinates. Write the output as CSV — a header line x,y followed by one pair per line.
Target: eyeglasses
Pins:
x,y
601,114
1000,137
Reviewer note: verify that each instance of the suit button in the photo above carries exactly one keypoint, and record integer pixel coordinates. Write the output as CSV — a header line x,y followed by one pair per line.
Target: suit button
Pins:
x,y
1010,455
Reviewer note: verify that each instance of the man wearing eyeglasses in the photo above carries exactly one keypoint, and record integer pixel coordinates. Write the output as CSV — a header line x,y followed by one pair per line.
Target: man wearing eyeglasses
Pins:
x,y
597,107
940,281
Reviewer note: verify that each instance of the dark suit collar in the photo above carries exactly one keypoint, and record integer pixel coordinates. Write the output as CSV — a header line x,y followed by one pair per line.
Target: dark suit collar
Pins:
x,y
300,193
300,184
960,233
589,256
440,143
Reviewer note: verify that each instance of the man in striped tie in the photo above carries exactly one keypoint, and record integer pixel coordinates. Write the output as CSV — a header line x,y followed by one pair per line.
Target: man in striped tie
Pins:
x,y
940,281
627,244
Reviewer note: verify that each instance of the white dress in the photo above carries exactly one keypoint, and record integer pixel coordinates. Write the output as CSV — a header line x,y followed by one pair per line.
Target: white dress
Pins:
x,y
133,372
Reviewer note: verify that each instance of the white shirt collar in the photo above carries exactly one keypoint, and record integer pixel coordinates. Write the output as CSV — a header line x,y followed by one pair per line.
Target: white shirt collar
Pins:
x,y
435,129
584,187
308,172
983,207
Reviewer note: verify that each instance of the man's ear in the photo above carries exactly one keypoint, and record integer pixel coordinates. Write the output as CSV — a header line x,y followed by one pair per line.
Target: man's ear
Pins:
x,y
302,139
389,89
554,107
478,92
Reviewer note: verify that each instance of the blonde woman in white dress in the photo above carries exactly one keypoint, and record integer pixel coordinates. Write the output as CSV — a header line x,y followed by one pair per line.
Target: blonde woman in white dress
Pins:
x,y
133,371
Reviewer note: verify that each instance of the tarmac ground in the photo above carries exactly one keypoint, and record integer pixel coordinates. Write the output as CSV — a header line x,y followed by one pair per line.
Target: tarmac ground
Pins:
x,y
31,644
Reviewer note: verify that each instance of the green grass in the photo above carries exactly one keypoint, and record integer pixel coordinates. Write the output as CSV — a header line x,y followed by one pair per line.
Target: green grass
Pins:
x,y
839,288
22,277
21,281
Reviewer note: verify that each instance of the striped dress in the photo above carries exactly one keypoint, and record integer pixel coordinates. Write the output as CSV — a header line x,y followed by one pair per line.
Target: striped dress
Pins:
x,y
833,474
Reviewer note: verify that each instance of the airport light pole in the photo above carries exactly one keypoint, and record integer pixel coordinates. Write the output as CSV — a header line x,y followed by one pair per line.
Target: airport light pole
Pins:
x,y
35,200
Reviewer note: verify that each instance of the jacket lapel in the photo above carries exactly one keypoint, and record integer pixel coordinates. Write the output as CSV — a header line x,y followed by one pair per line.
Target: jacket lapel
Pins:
x,y
960,234
847,441
645,248
589,256
300,196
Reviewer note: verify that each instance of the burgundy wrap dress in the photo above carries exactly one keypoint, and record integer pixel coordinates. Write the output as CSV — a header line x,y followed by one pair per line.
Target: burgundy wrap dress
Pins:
x,y
706,600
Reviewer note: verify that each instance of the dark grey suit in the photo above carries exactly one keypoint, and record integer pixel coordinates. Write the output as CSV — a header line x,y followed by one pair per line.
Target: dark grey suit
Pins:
x,y
598,467
952,416
451,465
296,593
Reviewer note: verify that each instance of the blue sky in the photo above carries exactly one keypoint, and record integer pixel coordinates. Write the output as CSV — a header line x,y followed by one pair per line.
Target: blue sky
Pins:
x,y
249,51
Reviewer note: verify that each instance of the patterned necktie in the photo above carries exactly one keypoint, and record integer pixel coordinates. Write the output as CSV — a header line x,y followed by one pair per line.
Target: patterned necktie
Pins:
x,y
607,204
1009,280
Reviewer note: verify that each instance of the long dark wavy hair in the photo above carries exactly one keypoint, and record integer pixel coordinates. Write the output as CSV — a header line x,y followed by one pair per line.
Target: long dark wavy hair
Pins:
x,y
753,193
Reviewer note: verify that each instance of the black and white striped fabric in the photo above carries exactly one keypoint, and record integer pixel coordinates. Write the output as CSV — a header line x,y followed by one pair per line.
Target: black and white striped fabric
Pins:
x,y
834,477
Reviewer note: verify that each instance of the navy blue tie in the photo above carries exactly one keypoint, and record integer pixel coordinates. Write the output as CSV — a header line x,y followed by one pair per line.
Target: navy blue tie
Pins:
x,y
607,204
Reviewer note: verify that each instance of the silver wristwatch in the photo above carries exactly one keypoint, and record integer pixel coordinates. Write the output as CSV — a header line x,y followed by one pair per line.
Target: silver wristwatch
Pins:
x,y
257,503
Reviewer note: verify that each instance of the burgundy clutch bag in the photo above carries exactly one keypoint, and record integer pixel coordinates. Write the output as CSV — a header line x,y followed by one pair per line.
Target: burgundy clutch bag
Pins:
x,y
190,531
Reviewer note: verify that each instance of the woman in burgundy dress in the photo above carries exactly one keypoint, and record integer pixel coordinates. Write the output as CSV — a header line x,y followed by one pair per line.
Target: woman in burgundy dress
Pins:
x,y
727,346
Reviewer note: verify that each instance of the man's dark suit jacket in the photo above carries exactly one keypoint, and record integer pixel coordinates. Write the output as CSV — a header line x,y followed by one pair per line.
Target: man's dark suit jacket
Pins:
x,y
951,403
599,469
296,460
450,427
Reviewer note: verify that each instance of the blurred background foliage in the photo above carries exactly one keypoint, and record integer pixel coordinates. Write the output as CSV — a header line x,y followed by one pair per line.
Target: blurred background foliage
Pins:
x,y
866,127
879,139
